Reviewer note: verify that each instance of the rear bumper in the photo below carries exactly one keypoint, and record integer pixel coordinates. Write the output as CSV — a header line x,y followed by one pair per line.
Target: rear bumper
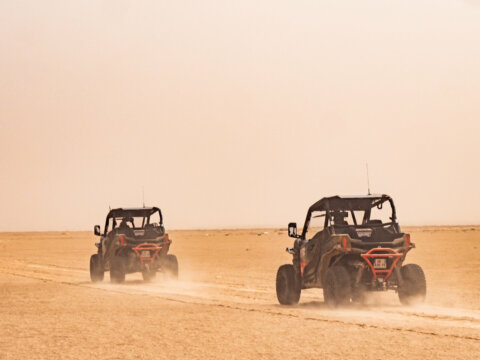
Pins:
x,y
391,257
147,253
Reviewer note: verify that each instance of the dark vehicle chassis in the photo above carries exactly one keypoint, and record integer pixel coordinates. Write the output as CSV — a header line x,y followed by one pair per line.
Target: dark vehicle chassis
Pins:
x,y
129,248
347,260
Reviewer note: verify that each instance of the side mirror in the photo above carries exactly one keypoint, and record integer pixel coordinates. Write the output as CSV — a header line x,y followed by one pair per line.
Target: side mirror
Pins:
x,y
292,230
96,230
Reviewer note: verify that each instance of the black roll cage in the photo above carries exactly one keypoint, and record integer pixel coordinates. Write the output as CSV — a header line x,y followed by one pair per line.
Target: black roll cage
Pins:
x,y
146,213
337,203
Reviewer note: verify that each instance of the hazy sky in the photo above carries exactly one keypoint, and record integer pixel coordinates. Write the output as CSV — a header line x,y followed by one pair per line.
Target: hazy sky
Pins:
x,y
236,114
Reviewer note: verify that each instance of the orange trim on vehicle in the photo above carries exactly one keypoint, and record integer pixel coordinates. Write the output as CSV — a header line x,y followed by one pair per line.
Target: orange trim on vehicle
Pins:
x,y
147,247
381,253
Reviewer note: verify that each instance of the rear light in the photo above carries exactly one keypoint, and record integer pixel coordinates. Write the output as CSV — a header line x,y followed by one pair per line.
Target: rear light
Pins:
x,y
345,244
166,237
122,240
407,242
302,267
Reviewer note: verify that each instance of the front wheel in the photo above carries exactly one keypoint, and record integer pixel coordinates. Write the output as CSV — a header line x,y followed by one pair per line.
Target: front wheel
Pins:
x,y
337,289
414,285
287,285
96,268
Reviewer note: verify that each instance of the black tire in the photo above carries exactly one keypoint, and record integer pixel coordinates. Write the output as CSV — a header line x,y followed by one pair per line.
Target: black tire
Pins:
x,y
171,266
337,289
414,286
96,268
149,273
288,285
359,294
117,269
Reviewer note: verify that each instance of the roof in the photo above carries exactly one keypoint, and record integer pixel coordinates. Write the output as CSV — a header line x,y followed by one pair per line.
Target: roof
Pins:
x,y
347,202
132,212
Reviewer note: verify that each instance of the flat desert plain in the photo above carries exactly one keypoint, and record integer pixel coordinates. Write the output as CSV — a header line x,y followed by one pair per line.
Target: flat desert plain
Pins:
x,y
224,305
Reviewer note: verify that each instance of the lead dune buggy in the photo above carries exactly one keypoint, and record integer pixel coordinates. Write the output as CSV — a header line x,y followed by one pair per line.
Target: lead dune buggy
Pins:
x,y
134,240
348,246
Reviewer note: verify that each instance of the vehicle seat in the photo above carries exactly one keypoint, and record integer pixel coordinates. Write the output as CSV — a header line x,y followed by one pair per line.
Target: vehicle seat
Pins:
x,y
344,228
127,231
154,231
384,235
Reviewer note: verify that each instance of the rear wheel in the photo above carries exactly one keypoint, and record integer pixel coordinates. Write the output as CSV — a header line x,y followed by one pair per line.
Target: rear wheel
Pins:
x,y
414,285
359,294
337,289
288,285
149,273
117,269
96,268
171,266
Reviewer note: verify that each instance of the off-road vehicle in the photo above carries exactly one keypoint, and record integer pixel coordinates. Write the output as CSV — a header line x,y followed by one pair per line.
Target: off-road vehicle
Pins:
x,y
350,245
134,240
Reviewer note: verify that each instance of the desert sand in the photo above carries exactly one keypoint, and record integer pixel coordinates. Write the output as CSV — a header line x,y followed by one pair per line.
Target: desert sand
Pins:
x,y
224,305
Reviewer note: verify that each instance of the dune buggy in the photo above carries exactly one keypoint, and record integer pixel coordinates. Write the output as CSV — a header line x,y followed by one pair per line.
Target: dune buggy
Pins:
x,y
348,246
134,240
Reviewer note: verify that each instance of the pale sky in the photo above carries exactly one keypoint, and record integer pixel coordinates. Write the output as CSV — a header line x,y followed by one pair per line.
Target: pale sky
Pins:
x,y
236,114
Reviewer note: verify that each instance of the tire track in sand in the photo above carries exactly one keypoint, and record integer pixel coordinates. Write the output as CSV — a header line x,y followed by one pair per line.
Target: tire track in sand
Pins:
x,y
57,274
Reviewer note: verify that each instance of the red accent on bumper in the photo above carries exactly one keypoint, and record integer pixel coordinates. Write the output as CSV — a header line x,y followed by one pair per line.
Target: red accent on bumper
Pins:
x,y
381,253
147,247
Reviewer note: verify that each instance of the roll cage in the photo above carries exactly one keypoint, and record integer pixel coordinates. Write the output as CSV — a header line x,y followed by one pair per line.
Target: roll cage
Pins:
x,y
146,213
350,204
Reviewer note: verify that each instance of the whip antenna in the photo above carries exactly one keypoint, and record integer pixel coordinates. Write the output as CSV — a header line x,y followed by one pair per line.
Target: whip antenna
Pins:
x,y
143,195
368,181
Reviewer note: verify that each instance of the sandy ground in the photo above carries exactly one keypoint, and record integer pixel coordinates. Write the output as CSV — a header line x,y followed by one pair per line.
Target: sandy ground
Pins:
x,y
224,304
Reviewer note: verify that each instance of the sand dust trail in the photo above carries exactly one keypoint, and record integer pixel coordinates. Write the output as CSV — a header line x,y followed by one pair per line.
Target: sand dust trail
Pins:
x,y
225,303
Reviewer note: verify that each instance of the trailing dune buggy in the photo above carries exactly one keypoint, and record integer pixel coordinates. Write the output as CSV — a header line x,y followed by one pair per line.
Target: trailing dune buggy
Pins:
x,y
134,240
348,246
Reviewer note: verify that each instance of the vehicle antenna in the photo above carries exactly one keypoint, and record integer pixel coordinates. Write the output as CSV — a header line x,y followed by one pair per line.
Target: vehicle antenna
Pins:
x,y
368,181
143,195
